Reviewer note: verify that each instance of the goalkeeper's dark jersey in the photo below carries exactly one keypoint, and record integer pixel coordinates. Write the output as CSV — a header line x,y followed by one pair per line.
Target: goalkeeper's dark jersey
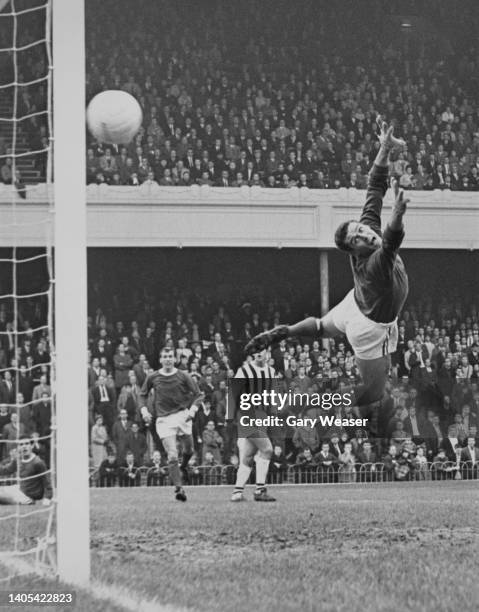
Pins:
x,y
172,392
380,279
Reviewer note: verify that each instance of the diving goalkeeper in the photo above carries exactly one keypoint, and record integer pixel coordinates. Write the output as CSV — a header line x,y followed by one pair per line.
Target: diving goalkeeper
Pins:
x,y
368,314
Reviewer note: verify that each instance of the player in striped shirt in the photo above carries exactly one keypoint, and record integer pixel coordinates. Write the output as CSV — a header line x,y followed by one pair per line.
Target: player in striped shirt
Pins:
x,y
253,441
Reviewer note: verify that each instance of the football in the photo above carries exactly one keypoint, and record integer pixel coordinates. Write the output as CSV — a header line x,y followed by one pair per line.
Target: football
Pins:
x,y
114,117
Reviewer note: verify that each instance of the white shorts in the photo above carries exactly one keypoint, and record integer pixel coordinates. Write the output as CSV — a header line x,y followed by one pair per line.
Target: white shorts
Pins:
x,y
251,445
174,425
369,339
12,494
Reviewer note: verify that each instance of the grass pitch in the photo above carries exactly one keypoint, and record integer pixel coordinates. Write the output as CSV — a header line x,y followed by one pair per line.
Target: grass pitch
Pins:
x,y
388,547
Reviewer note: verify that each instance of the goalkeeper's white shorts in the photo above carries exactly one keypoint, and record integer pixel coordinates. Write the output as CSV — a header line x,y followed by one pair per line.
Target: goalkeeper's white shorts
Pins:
x,y
12,494
368,339
175,424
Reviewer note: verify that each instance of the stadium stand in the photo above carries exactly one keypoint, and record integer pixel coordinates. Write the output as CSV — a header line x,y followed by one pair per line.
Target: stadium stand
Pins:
x,y
232,97
431,401
227,102
28,100
429,412
428,417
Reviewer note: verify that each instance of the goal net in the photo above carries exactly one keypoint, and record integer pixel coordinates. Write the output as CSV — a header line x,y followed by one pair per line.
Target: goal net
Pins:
x,y
42,403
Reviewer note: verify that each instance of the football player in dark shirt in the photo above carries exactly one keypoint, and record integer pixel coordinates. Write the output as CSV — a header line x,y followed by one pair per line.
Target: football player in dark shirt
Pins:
x,y
175,396
368,314
34,478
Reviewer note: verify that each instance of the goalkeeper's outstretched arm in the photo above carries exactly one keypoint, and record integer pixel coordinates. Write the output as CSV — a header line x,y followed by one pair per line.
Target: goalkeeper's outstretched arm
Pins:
x,y
377,183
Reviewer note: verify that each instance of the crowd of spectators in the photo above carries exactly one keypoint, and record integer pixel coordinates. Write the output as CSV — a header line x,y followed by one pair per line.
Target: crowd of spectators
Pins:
x,y
25,393
24,77
25,359
429,412
268,94
232,97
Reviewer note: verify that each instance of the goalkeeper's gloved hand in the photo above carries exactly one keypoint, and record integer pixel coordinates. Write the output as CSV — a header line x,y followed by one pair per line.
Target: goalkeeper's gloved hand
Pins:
x,y
267,338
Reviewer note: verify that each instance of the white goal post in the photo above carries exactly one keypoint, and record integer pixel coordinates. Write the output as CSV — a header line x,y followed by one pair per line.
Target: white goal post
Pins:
x,y
73,516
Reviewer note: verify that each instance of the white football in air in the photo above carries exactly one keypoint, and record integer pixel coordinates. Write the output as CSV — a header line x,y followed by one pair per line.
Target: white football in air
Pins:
x,y
114,117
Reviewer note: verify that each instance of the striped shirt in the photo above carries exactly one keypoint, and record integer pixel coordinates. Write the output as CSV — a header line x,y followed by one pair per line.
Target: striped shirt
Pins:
x,y
250,379
257,379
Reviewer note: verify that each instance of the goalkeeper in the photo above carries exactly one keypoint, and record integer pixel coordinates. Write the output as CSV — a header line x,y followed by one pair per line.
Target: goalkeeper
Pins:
x,y
368,314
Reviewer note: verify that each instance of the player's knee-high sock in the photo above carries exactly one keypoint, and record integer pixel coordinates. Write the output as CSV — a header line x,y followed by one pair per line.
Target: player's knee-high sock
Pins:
x,y
174,472
242,476
184,463
371,413
187,452
365,395
374,374
262,466
185,460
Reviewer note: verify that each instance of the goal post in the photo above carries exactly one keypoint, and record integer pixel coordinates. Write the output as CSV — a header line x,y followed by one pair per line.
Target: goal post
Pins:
x,y
70,257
